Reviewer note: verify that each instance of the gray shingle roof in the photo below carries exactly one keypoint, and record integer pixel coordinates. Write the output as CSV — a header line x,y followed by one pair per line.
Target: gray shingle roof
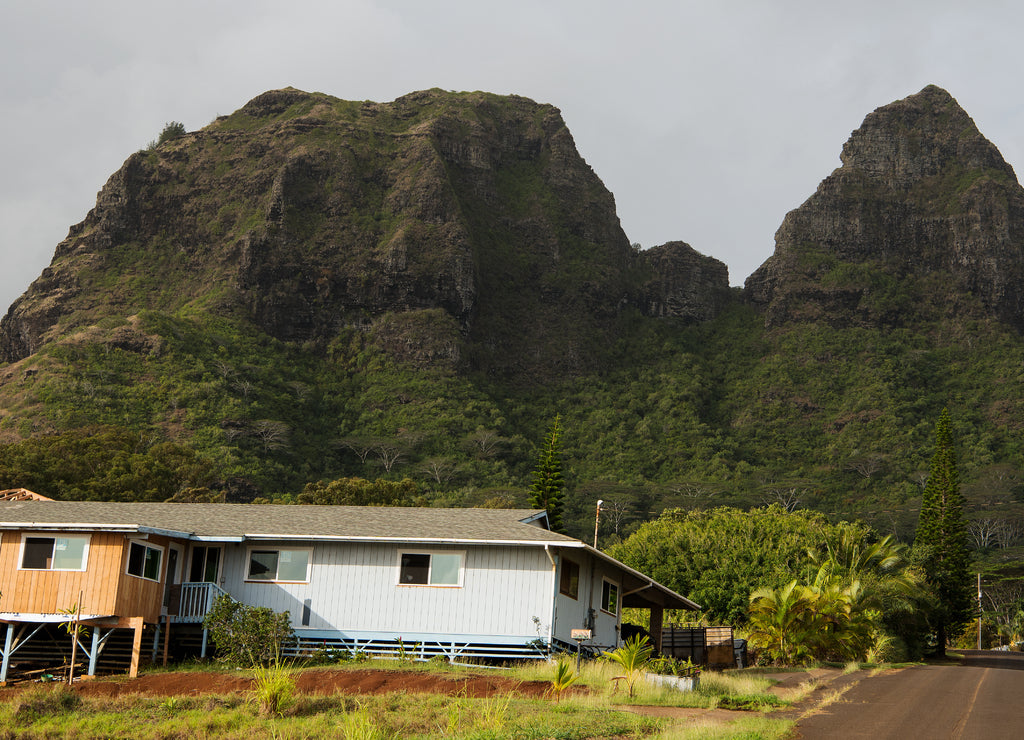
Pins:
x,y
233,522
261,521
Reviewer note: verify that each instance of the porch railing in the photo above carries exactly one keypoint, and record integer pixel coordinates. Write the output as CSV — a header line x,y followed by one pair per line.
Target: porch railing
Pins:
x,y
197,600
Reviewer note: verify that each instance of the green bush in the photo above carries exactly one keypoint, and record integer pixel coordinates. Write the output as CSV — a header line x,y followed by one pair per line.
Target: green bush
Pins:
x,y
247,635
173,130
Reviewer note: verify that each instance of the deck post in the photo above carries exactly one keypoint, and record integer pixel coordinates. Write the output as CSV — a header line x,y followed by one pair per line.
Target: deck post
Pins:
x,y
202,651
94,651
137,623
8,644
167,636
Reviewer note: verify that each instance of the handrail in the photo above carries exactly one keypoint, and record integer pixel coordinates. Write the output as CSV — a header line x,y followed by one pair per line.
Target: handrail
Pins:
x,y
197,599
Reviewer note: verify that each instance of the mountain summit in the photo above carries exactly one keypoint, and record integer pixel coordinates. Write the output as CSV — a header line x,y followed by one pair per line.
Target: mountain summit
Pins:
x,y
462,228
924,218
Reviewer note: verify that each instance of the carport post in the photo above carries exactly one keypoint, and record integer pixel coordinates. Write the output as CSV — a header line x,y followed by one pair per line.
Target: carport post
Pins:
x,y
94,651
8,644
657,618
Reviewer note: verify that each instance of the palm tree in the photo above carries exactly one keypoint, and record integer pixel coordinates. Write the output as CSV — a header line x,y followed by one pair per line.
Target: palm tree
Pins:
x,y
781,622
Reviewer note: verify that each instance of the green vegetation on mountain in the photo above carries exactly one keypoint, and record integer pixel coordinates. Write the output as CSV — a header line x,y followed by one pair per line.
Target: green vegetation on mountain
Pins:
x,y
312,291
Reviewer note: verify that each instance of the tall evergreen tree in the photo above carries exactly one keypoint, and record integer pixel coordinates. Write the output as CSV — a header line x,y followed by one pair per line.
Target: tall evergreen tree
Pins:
x,y
547,488
942,539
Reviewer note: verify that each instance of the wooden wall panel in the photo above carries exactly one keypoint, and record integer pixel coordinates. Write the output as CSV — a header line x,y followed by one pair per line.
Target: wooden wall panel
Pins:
x,y
49,591
105,586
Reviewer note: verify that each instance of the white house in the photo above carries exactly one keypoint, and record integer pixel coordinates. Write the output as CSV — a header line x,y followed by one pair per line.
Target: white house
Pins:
x,y
492,583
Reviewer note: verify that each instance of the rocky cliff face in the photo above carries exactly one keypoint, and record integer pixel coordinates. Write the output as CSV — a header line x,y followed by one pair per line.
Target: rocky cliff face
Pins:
x,y
305,214
923,218
685,284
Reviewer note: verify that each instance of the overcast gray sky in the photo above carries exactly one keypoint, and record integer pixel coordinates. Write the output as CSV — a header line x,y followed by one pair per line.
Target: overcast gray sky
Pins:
x,y
708,121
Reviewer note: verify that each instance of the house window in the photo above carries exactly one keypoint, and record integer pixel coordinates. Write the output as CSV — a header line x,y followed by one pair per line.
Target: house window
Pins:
x,y
610,597
144,561
54,553
569,580
205,564
430,569
290,566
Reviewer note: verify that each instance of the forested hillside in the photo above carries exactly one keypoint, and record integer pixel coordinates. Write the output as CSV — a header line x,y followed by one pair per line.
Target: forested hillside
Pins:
x,y
313,289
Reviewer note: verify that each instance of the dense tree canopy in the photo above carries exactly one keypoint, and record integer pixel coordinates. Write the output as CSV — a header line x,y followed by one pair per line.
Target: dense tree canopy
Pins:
x,y
718,557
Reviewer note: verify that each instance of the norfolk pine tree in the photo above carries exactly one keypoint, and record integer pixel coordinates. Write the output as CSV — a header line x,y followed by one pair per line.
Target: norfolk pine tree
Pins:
x,y
548,486
942,539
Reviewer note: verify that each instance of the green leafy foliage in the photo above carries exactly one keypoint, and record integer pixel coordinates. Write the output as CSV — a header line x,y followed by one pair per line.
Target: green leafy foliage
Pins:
x,y
685,551
360,492
247,635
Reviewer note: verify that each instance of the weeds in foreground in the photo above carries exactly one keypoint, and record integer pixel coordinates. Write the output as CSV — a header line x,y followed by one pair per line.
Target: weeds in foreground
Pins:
x,y
44,701
359,725
752,728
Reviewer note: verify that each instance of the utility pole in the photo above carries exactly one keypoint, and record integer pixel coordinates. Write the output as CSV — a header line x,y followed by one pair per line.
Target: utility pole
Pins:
x,y
979,611
597,520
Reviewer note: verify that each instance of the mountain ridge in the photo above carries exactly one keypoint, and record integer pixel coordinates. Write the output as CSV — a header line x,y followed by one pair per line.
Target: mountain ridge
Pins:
x,y
312,288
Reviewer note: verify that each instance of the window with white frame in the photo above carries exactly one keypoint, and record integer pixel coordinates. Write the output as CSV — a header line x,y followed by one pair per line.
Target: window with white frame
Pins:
x,y
430,569
279,564
54,553
610,597
144,560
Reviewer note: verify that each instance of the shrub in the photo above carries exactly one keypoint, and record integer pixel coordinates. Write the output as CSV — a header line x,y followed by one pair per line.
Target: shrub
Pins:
x,y
247,635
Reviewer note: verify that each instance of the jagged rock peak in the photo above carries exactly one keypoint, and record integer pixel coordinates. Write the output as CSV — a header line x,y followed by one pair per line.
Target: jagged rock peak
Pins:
x,y
922,200
917,137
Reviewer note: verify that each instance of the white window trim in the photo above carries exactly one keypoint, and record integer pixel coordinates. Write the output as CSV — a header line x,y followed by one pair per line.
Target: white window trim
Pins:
x,y
278,549
462,568
144,543
618,596
55,536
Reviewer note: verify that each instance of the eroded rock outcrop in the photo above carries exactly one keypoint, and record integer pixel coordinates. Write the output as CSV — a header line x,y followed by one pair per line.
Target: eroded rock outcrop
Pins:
x,y
685,284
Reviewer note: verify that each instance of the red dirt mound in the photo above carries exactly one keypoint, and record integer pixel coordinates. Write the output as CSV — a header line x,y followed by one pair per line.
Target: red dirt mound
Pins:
x,y
313,681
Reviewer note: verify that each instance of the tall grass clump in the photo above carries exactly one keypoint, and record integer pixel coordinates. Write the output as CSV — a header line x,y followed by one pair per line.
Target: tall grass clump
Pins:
x,y
360,725
273,689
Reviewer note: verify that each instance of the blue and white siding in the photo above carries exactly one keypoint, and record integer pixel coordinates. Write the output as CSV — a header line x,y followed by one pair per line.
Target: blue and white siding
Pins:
x,y
574,613
354,589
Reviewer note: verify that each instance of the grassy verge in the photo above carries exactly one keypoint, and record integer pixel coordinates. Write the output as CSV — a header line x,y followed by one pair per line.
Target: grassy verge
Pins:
x,y
594,707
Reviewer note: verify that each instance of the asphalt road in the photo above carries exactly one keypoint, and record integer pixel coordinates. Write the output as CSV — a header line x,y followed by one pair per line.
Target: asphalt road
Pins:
x,y
979,699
